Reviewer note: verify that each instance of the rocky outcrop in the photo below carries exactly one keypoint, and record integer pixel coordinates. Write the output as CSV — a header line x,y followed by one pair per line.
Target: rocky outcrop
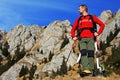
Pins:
x,y
105,15
112,26
40,42
2,43
23,36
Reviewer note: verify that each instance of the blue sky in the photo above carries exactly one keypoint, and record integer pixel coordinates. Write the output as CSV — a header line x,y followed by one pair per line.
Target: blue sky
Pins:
x,y
43,12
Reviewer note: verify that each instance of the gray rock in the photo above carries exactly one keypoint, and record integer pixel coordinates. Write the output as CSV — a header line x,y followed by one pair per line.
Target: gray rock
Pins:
x,y
23,36
57,60
115,24
29,43
105,15
117,18
108,28
52,35
12,73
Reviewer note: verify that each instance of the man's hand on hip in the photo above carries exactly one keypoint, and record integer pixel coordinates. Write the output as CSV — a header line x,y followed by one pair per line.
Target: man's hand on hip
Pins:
x,y
75,38
95,34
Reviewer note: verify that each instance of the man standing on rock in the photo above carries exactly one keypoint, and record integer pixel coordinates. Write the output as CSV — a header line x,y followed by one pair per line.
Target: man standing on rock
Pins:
x,y
84,25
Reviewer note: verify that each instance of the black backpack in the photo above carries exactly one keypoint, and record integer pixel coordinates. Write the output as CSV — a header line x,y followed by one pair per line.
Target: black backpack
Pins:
x,y
94,29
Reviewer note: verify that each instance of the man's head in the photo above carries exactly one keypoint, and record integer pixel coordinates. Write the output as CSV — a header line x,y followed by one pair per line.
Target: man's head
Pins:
x,y
83,8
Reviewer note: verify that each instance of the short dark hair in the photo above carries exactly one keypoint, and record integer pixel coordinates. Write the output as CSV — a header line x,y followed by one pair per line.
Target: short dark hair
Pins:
x,y
84,5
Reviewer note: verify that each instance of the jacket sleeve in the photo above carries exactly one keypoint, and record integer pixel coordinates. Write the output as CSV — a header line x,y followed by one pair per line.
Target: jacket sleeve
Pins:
x,y
74,28
100,23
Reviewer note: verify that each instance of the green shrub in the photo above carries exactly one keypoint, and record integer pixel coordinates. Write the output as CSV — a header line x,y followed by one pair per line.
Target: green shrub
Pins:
x,y
1,58
5,50
41,52
64,43
51,55
113,62
62,71
18,55
24,70
32,71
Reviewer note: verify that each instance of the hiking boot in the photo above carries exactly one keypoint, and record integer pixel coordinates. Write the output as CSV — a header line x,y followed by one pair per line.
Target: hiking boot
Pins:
x,y
87,71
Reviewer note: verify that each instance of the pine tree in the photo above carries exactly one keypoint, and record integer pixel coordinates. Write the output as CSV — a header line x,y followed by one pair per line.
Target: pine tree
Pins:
x,y
64,43
24,70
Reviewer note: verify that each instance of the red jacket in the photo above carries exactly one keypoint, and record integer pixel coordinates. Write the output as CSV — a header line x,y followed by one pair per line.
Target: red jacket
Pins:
x,y
86,22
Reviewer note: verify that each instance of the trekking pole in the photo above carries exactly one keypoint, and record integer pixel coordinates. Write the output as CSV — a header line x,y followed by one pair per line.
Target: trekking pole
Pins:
x,y
79,56
97,59
73,44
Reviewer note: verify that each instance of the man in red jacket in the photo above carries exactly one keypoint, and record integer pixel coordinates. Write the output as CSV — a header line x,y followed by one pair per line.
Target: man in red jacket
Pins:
x,y
86,37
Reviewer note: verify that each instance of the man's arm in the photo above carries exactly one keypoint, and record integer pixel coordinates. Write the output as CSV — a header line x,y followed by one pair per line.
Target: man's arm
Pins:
x,y
75,25
100,23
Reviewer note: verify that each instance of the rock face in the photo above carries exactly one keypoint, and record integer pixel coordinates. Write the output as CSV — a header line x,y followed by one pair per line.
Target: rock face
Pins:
x,y
46,47
112,26
40,42
105,15
23,36
2,42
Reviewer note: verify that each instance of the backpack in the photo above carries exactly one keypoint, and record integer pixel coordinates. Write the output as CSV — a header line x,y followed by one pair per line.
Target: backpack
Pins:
x,y
94,29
